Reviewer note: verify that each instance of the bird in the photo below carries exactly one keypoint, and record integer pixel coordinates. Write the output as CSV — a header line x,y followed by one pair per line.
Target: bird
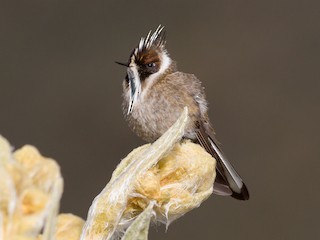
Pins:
x,y
155,93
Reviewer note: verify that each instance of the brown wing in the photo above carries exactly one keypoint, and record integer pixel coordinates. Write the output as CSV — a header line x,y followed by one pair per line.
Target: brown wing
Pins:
x,y
228,181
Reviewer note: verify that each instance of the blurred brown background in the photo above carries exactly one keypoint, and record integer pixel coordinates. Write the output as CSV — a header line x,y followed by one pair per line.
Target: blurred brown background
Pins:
x,y
259,61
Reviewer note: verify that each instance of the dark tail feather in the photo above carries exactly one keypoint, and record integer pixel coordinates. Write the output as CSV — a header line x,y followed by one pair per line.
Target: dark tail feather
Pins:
x,y
228,181
243,195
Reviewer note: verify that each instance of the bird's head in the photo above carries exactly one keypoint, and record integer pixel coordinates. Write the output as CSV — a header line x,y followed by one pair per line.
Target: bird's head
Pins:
x,y
148,62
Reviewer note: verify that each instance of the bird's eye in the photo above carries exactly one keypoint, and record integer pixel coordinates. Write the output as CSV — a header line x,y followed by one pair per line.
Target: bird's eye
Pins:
x,y
150,65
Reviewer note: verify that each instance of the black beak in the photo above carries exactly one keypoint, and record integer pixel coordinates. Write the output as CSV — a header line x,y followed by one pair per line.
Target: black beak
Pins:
x,y
122,64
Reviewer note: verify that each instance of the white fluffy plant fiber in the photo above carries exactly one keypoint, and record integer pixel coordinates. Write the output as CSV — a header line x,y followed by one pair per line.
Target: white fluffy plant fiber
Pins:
x,y
167,178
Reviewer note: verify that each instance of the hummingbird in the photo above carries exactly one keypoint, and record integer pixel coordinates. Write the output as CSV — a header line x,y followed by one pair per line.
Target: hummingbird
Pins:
x,y
155,93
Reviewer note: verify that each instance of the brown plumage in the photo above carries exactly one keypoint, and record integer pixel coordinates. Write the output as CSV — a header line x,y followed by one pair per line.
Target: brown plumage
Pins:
x,y
154,95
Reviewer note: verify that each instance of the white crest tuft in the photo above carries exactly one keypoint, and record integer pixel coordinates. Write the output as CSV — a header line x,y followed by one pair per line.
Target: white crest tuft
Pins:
x,y
156,39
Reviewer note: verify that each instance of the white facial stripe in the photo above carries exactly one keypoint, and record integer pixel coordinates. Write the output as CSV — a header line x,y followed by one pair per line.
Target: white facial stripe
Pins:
x,y
134,85
165,61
